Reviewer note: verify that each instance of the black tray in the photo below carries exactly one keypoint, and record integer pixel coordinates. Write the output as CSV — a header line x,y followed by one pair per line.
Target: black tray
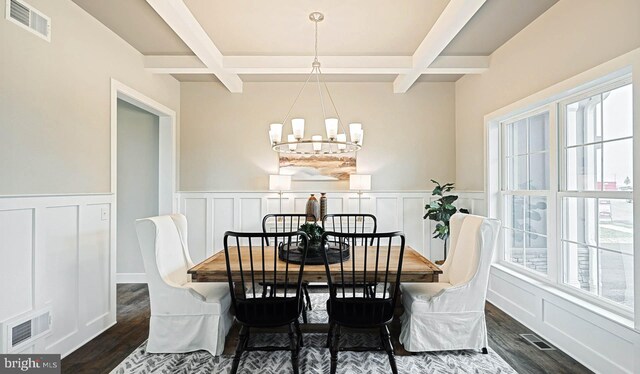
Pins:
x,y
314,255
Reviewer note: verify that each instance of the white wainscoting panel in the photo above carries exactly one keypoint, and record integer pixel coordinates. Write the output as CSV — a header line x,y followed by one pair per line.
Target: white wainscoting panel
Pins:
x,y
196,212
16,267
210,214
600,340
59,251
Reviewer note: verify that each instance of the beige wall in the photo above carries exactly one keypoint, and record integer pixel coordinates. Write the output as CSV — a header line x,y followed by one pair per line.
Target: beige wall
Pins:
x,y
55,101
571,37
409,138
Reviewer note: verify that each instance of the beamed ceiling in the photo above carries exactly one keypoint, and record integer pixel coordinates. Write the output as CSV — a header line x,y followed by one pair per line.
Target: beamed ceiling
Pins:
x,y
359,41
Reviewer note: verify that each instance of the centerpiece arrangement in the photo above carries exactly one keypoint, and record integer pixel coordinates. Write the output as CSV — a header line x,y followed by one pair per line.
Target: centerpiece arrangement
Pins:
x,y
335,251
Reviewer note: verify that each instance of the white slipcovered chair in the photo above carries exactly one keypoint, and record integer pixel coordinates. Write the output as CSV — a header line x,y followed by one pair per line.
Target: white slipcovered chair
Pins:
x,y
449,315
185,316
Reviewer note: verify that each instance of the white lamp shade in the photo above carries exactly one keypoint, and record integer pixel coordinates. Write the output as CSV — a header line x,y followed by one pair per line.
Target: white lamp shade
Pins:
x,y
331,125
317,142
354,130
291,138
360,182
342,138
359,137
279,182
275,131
298,127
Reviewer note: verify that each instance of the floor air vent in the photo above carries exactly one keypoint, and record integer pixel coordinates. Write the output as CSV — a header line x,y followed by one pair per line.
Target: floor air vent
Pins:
x,y
29,18
540,343
24,330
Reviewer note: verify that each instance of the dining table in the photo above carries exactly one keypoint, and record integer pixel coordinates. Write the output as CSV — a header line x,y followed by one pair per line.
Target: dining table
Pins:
x,y
415,267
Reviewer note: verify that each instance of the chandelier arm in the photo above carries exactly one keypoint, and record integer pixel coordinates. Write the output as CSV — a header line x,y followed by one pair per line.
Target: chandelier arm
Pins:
x,y
297,97
334,108
324,114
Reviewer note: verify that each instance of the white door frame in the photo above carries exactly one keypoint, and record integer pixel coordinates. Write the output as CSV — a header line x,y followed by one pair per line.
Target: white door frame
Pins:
x,y
167,159
167,165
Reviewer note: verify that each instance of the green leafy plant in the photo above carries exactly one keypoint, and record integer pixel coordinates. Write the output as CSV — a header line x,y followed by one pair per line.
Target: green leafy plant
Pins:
x,y
314,231
441,210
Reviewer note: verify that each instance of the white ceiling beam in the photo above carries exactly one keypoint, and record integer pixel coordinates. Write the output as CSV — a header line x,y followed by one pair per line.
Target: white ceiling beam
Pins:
x,y
458,65
454,17
178,16
330,65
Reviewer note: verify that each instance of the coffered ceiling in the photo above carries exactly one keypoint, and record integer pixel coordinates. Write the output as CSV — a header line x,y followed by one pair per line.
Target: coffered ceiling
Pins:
x,y
359,40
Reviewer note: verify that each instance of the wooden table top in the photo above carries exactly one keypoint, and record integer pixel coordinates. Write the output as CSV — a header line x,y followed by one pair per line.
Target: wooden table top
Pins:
x,y
415,267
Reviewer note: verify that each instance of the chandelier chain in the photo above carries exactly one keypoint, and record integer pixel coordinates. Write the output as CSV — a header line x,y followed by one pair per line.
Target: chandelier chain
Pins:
x,y
316,46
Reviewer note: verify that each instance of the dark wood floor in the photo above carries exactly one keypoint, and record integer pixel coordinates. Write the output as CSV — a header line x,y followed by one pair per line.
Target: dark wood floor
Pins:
x,y
106,351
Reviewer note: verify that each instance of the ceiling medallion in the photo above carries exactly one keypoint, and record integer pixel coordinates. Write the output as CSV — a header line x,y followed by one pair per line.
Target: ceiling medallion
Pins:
x,y
335,142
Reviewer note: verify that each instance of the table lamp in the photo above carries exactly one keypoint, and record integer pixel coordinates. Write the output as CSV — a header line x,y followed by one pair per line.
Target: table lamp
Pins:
x,y
359,183
279,183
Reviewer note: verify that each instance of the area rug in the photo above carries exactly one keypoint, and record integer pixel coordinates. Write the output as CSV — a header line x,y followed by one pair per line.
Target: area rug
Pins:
x,y
314,357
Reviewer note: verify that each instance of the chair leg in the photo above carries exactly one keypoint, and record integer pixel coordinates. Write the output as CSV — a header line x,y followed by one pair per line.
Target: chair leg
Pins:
x,y
335,346
304,315
330,333
293,345
300,341
388,346
485,351
305,288
242,343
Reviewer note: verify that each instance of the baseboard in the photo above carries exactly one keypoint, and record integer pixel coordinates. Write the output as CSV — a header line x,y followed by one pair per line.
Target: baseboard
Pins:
x,y
93,336
131,278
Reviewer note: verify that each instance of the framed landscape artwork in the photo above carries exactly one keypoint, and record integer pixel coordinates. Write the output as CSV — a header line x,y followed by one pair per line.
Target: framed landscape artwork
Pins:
x,y
318,167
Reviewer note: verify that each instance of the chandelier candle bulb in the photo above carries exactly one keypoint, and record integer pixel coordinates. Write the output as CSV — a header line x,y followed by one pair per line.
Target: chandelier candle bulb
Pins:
x,y
359,137
276,128
342,138
298,127
272,137
291,139
354,128
331,125
317,142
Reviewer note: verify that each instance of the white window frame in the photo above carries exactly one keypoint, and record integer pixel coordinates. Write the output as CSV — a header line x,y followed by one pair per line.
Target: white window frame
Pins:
x,y
550,193
564,193
557,169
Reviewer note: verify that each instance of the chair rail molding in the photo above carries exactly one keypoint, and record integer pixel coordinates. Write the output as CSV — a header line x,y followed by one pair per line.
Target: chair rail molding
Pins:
x,y
59,251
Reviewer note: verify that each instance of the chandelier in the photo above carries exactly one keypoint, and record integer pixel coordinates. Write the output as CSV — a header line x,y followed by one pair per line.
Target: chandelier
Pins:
x,y
335,142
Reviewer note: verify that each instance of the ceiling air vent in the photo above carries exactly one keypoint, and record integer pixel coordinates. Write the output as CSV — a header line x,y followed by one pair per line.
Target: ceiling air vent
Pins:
x,y
29,18
24,330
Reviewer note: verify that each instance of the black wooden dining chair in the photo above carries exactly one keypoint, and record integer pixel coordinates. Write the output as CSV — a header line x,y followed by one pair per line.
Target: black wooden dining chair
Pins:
x,y
284,222
351,303
350,223
288,222
250,263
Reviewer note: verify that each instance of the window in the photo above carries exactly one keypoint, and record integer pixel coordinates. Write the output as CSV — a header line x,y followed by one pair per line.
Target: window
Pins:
x,y
525,191
596,196
566,193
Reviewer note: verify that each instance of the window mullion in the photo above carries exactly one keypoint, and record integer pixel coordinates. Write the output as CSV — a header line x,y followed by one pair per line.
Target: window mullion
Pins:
x,y
554,250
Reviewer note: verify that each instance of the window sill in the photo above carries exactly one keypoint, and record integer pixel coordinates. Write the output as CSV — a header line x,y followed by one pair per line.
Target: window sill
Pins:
x,y
584,303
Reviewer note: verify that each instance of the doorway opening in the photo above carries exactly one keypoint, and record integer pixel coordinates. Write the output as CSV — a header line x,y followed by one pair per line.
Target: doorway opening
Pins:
x,y
143,170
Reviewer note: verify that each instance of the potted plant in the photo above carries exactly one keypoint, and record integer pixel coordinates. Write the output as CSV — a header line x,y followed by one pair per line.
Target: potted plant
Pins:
x,y
314,231
441,210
